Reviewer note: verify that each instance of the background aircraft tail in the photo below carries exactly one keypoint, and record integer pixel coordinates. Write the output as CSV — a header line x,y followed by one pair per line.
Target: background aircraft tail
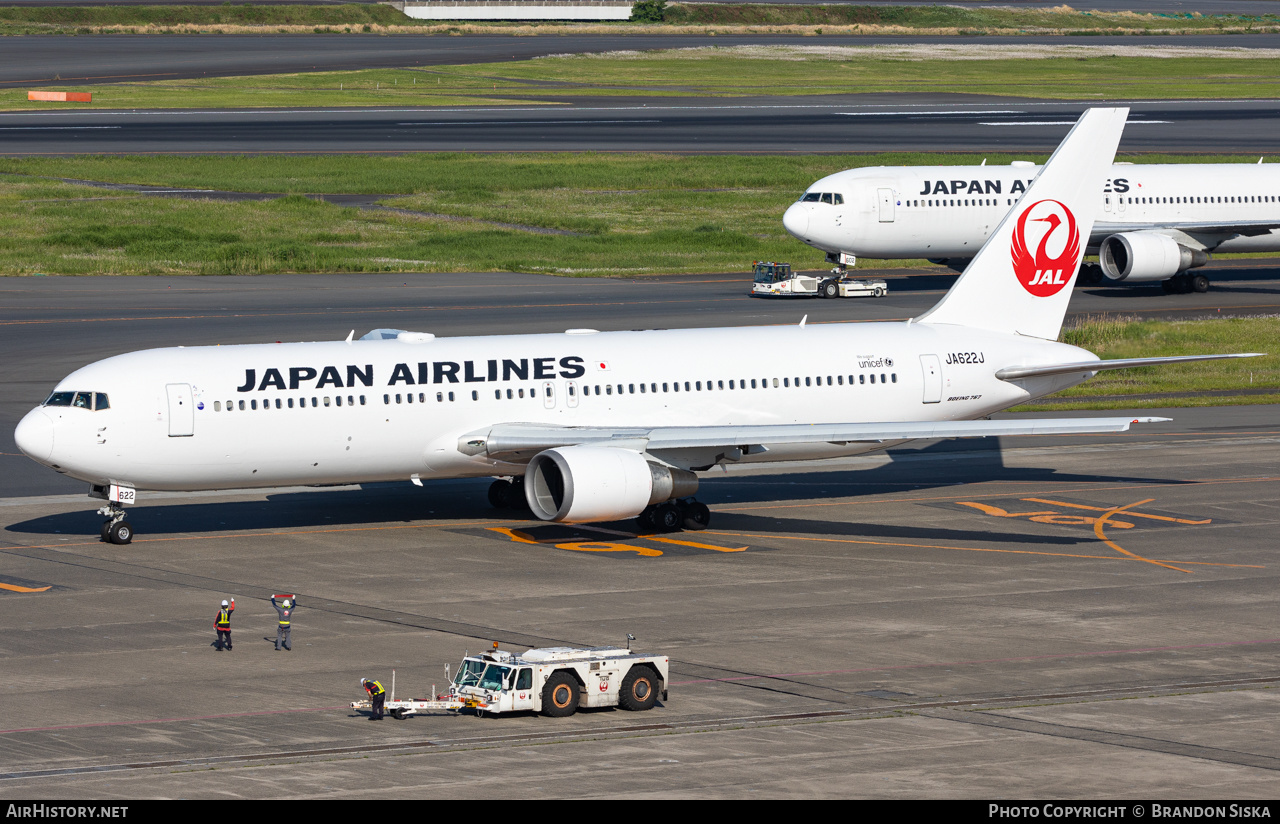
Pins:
x,y
1021,279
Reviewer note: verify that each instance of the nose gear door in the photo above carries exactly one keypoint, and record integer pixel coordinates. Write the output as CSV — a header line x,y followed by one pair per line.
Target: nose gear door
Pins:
x,y
182,410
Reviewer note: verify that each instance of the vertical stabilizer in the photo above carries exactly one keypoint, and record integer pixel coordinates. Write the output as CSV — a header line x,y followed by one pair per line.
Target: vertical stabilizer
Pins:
x,y
1021,279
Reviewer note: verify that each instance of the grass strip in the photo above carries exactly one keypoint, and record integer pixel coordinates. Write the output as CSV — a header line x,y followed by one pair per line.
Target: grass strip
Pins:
x,y
1072,73
679,18
633,214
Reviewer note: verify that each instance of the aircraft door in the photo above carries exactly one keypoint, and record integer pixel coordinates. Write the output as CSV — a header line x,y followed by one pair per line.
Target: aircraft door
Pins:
x,y
886,205
932,368
182,410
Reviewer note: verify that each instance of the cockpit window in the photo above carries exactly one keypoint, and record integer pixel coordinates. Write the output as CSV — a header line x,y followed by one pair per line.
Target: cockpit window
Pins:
x,y
80,400
834,198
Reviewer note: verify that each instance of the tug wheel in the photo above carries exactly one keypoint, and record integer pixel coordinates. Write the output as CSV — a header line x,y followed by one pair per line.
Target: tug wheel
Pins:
x,y
560,696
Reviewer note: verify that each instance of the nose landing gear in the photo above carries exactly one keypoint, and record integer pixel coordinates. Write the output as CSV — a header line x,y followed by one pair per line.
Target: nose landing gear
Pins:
x,y
115,530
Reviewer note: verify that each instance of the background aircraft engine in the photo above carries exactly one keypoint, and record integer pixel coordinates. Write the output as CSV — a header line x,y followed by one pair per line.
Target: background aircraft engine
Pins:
x,y
1142,256
581,484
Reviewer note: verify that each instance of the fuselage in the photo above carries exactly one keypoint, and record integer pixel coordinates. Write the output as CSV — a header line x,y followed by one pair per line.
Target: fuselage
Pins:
x,y
376,410
949,211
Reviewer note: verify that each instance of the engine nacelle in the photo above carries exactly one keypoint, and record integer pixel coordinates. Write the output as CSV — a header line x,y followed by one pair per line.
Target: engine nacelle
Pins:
x,y
581,484
1143,256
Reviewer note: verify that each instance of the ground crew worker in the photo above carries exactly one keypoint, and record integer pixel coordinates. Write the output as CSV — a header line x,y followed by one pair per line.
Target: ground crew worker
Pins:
x,y
283,627
222,624
377,694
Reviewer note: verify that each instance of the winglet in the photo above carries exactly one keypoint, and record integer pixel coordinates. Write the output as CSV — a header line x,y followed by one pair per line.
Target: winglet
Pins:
x,y
1021,279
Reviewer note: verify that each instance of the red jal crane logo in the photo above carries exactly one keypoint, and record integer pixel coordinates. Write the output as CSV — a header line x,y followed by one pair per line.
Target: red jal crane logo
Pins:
x,y
1044,273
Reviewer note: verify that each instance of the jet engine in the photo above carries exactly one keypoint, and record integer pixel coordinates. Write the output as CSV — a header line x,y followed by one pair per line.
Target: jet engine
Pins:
x,y
581,484
1143,256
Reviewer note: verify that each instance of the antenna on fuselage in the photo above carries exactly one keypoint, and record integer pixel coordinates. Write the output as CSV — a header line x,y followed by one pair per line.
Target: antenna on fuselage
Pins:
x,y
349,337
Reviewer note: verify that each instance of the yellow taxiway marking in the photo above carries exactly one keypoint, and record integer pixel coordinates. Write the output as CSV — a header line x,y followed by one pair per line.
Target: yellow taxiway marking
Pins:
x,y
16,588
972,549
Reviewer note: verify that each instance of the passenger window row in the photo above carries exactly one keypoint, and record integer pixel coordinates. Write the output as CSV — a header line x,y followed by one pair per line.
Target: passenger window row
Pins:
x,y
753,383
511,394
287,403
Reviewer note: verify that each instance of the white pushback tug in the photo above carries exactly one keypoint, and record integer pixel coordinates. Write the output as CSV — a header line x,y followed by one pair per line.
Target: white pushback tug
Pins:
x,y
555,681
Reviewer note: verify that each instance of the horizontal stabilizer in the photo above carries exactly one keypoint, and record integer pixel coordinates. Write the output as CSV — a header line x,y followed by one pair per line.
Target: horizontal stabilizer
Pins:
x,y
1014,373
520,440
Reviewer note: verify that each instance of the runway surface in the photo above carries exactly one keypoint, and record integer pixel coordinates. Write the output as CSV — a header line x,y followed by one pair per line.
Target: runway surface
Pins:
x,y
50,326
850,123
1072,617
50,60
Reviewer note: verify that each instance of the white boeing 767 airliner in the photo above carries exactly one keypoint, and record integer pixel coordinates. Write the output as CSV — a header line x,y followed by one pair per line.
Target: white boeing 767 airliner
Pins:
x,y
599,426
1156,222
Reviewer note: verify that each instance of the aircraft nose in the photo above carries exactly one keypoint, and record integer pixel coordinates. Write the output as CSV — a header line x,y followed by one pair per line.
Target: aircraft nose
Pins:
x,y
796,220
34,435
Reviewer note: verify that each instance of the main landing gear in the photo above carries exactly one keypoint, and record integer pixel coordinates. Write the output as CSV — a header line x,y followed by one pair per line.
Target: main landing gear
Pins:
x,y
115,530
673,516
508,494
1185,282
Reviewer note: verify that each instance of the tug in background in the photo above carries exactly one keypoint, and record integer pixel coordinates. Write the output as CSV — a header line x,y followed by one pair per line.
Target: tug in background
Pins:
x,y
779,280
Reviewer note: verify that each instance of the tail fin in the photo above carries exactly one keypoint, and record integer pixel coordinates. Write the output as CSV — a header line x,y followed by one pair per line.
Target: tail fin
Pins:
x,y
1021,279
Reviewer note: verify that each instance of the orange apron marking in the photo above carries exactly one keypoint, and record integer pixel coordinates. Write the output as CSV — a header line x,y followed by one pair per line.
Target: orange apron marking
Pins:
x,y
711,547
1042,517
978,549
1102,536
600,546
16,588
1129,514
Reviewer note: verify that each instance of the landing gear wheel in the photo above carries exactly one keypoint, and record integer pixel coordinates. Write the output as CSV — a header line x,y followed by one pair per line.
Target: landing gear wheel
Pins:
x,y
500,494
120,532
1200,283
518,500
667,518
829,290
560,696
1167,286
106,532
696,516
1090,275
645,520
639,689
1182,284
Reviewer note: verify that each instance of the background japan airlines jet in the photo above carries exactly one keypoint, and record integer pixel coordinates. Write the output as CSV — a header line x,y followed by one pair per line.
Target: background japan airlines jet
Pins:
x,y
599,426
1154,222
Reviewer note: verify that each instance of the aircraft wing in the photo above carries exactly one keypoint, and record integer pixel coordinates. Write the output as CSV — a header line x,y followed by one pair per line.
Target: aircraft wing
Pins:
x,y
1249,228
517,442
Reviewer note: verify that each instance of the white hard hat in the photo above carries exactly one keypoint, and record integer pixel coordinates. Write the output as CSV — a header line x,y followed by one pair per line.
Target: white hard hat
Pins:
x,y
224,602
363,682
286,602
